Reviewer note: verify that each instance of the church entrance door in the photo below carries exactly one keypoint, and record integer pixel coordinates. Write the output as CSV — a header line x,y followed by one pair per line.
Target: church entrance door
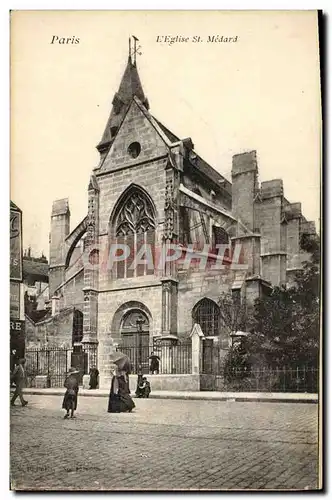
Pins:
x,y
135,339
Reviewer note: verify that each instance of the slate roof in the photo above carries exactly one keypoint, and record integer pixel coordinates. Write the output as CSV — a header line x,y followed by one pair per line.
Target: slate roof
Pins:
x,y
200,164
130,86
172,137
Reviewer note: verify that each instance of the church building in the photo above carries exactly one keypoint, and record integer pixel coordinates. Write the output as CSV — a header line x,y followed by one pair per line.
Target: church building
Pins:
x,y
151,191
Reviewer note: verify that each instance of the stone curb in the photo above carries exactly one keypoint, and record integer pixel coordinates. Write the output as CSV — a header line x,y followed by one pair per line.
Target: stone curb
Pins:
x,y
200,396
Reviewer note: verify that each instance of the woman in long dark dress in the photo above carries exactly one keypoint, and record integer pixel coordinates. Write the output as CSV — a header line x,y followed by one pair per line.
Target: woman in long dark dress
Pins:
x,y
94,373
119,399
69,402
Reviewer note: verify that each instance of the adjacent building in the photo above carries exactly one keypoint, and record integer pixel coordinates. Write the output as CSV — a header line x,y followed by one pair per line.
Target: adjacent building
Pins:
x,y
17,320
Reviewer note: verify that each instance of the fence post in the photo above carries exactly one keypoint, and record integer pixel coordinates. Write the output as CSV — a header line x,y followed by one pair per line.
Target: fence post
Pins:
x,y
196,348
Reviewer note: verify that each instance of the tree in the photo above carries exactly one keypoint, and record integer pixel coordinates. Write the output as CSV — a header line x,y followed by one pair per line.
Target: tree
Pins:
x,y
286,325
233,312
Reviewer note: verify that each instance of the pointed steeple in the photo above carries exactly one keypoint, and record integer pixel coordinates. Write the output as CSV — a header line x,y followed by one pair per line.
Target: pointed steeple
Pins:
x,y
130,86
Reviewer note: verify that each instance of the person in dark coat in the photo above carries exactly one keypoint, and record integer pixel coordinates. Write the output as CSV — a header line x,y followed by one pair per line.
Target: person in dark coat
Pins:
x,y
139,378
143,388
18,377
70,398
154,363
119,399
94,374
13,362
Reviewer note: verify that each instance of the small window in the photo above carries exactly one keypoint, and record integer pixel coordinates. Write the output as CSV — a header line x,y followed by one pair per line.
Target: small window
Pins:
x,y
113,131
134,149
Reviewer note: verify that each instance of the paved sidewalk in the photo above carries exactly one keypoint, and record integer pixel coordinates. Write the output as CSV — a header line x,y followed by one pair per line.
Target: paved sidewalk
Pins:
x,y
196,395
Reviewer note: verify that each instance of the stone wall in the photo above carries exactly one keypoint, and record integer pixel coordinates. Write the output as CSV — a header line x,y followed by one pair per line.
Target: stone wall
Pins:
x,y
52,332
135,128
108,304
195,286
72,292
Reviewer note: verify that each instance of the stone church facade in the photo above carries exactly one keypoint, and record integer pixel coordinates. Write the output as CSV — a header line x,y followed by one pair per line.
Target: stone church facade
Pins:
x,y
151,188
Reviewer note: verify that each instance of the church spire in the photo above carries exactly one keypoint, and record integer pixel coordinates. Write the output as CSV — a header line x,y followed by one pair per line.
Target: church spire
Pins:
x,y
130,86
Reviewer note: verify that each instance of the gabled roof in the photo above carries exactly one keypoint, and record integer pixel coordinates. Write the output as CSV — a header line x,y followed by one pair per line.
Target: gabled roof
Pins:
x,y
201,165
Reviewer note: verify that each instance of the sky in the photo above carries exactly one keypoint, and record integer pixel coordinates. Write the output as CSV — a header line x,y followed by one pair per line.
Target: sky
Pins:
x,y
261,92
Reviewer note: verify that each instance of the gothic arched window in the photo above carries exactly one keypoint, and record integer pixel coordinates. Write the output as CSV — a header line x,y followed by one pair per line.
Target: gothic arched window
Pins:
x,y
135,227
207,314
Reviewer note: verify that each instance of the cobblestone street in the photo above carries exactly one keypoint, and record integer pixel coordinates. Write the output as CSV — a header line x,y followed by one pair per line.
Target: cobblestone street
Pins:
x,y
164,444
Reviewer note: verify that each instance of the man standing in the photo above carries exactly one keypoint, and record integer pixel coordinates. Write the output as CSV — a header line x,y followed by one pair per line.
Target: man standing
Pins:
x,y
18,378
94,373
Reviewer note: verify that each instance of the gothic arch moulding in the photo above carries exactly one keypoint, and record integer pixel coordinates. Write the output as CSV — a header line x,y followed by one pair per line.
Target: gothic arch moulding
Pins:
x,y
122,312
133,223
134,211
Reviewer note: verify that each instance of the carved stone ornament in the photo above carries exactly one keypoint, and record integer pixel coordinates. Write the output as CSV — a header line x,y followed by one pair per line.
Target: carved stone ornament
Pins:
x,y
169,210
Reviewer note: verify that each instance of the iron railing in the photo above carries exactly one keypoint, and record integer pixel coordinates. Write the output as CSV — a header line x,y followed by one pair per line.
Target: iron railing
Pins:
x,y
287,378
264,379
171,359
55,363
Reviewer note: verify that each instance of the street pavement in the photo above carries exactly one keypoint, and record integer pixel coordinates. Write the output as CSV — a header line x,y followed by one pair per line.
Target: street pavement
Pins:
x,y
164,445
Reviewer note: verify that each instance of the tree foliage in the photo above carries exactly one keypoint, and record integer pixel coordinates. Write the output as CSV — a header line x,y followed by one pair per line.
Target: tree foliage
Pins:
x,y
284,326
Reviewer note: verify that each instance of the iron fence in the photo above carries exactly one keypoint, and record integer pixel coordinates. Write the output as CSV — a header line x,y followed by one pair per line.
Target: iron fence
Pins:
x,y
264,379
169,359
289,378
54,363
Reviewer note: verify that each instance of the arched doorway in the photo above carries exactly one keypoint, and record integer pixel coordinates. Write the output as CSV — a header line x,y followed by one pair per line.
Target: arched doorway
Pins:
x,y
135,338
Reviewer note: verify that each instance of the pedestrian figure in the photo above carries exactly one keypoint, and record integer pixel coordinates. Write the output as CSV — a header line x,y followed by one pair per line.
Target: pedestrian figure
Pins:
x,y
154,364
13,362
119,399
70,398
139,378
94,373
18,377
143,388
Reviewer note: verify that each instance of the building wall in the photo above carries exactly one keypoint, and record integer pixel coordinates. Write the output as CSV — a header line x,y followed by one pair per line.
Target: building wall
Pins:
x,y
108,304
151,178
72,293
135,127
53,332
195,286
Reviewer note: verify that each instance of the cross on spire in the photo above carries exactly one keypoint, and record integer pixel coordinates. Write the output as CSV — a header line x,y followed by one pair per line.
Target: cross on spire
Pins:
x,y
135,50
